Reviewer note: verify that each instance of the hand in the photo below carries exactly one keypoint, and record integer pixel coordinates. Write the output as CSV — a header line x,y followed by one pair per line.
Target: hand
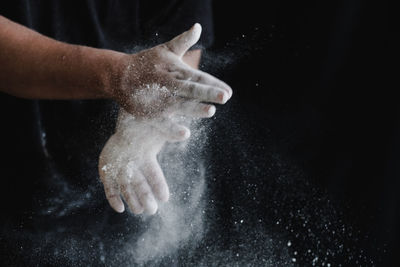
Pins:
x,y
128,165
157,81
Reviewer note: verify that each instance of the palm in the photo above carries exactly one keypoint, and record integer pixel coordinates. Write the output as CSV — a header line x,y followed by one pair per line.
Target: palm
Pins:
x,y
128,166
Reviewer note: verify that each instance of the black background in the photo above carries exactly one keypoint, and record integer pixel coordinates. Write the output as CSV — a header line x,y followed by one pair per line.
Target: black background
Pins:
x,y
312,126
312,77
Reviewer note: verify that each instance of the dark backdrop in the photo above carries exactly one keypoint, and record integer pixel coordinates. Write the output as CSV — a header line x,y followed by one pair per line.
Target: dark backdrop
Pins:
x,y
304,157
311,85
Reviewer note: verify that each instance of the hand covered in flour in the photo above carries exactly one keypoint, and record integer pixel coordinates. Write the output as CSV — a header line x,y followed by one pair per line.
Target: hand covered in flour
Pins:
x,y
128,165
157,81
155,86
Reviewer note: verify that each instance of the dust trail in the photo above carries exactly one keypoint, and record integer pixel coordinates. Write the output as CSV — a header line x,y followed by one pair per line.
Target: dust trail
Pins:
x,y
290,221
180,220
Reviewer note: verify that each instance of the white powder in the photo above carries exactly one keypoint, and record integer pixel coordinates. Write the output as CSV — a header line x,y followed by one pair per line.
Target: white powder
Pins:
x,y
180,220
151,95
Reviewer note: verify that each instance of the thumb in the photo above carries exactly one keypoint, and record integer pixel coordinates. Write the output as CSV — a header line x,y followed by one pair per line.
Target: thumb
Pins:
x,y
181,43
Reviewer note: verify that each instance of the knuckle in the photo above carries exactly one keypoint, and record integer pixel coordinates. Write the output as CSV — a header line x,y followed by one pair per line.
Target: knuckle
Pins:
x,y
192,90
172,67
198,78
178,75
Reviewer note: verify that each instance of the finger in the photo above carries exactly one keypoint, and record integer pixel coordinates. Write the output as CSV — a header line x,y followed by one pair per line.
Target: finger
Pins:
x,y
181,43
172,131
131,198
194,109
156,179
113,196
201,92
143,191
190,74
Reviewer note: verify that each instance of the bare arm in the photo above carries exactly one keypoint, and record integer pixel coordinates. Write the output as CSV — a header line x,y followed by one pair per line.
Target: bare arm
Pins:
x,y
35,66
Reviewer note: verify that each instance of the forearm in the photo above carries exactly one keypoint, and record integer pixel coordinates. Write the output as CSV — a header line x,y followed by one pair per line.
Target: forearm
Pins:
x,y
34,66
146,84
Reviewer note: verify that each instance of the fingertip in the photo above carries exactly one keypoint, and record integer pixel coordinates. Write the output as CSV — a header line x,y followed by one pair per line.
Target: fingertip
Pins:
x,y
223,97
117,204
230,92
163,195
165,198
184,134
210,111
196,31
197,26
151,206
120,209
181,133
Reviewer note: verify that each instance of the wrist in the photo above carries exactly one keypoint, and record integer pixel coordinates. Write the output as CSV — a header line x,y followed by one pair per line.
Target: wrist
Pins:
x,y
120,77
109,69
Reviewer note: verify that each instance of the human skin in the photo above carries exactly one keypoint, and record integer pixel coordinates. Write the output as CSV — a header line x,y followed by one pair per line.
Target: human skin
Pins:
x,y
128,164
35,66
151,86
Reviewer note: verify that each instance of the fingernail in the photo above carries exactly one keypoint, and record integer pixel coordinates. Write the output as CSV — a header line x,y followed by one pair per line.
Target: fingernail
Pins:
x,y
119,208
210,110
222,98
184,134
